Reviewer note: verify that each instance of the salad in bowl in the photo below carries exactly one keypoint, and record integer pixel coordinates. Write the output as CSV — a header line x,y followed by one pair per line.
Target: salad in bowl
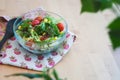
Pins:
x,y
41,33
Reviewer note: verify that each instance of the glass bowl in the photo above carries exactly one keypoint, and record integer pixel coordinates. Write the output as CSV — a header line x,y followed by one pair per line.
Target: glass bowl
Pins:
x,y
42,47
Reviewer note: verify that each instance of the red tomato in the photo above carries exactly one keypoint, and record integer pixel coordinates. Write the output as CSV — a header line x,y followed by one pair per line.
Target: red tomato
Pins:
x,y
29,44
42,38
39,18
60,27
31,40
35,22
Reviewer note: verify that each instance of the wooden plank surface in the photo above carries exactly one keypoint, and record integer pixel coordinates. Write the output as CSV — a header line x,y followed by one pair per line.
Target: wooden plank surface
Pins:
x,y
90,58
2,4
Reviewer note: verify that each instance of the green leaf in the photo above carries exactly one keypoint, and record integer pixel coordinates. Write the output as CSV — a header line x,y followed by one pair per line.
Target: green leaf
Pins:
x,y
115,24
114,33
105,4
116,1
43,26
95,5
25,24
115,38
43,75
47,77
55,29
55,75
28,75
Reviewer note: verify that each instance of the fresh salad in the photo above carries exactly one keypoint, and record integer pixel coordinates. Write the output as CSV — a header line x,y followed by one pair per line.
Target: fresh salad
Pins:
x,y
41,31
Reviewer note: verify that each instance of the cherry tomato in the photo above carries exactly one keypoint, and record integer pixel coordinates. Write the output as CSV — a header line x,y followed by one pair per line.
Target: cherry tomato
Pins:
x,y
60,27
35,22
39,18
30,43
31,40
42,38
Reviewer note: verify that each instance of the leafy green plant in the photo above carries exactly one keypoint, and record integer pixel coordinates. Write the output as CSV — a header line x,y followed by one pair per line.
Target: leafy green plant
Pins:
x,y
100,5
46,75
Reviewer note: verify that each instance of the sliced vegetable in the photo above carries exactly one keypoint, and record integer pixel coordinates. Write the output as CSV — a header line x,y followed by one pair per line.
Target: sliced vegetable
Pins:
x,y
39,18
35,22
60,26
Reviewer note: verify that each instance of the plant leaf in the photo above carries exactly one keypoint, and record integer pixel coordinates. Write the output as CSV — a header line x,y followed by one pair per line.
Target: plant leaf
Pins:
x,y
95,5
115,24
114,33
55,75
28,75
116,1
46,75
